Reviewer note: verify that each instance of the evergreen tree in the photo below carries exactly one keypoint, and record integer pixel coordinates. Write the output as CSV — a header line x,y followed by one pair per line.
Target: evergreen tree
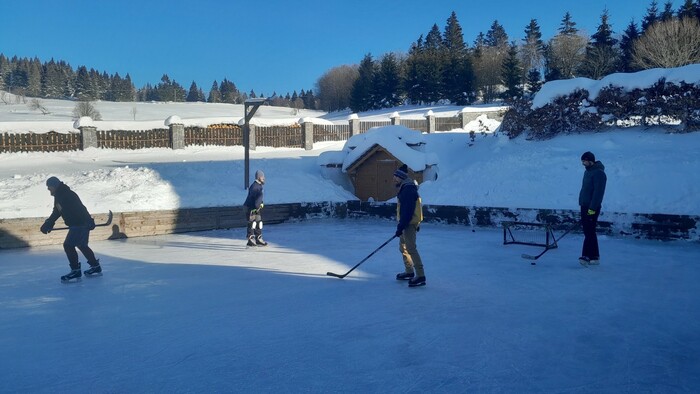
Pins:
x,y
567,26
229,92
651,16
534,80
83,85
34,71
496,36
667,13
601,55
388,83
687,10
214,93
532,50
511,74
361,96
627,47
193,95
433,63
458,72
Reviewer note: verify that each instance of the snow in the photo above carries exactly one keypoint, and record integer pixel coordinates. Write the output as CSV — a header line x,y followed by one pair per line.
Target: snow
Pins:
x,y
628,81
199,312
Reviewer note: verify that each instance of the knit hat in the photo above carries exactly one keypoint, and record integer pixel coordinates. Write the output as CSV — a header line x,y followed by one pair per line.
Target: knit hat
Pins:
x,y
259,174
588,156
53,182
401,172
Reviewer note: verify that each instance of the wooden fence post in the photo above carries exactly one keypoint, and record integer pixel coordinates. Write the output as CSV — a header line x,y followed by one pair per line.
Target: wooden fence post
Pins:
x,y
307,134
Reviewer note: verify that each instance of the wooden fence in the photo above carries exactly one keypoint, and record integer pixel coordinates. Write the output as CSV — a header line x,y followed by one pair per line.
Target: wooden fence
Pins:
x,y
291,136
45,142
133,139
221,135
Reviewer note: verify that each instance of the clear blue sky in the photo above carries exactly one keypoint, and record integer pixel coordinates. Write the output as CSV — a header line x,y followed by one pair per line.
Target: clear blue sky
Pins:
x,y
266,45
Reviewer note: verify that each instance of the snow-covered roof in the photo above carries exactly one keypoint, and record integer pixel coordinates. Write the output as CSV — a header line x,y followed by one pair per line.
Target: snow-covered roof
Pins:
x,y
397,140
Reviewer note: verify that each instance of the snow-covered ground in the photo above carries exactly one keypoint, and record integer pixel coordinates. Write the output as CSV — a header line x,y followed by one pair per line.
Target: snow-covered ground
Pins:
x,y
199,312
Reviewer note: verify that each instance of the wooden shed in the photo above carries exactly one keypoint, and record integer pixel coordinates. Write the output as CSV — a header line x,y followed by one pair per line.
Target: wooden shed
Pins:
x,y
372,174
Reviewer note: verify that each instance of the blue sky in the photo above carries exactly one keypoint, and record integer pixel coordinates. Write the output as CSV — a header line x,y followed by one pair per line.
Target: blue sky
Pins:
x,y
269,46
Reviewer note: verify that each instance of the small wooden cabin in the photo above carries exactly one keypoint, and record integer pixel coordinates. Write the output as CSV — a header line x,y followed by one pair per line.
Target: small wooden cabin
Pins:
x,y
372,174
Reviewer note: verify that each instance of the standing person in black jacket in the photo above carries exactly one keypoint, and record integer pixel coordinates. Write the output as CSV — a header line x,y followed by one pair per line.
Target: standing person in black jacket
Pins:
x,y
67,205
254,204
591,200
409,213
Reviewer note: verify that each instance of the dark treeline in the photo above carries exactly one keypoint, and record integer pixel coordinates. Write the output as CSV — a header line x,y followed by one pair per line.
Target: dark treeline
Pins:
x,y
58,80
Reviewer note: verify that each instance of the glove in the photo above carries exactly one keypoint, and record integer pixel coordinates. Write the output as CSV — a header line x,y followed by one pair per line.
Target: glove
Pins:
x,y
46,227
591,212
91,224
261,206
398,232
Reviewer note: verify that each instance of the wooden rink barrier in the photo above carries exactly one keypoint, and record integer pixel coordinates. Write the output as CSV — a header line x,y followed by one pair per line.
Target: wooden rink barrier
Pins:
x,y
24,232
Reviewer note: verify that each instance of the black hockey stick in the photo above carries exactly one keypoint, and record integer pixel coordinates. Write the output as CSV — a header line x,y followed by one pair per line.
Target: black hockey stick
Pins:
x,y
107,223
531,257
363,260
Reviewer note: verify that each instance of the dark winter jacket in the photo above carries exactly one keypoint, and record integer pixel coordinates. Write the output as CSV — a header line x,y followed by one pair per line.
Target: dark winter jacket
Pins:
x,y
67,204
255,196
593,187
409,209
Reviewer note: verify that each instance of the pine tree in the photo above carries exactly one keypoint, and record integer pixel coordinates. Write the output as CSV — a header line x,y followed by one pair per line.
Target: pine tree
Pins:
x,y
193,93
458,73
567,26
214,93
667,13
511,74
83,85
229,92
651,16
532,50
388,82
361,96
497,36
601,55
534,81
433,66
627,47
687,10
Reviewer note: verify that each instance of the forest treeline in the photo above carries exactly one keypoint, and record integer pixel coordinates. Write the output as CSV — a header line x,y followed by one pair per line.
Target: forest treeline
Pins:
x,y
439,67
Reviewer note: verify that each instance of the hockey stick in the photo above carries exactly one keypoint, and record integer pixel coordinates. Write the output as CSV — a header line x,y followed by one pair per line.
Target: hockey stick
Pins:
x,y
531,257
363,260
107,223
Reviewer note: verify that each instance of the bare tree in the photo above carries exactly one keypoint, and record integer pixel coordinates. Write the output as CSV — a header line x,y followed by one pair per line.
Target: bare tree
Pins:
x,y
487,70
566,53
334,87
671,43
85,108
599,62
36,105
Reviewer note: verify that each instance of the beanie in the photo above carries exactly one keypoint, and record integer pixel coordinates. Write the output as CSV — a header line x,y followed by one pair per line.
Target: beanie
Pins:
x,y
259,174
401,172
589,156
53,182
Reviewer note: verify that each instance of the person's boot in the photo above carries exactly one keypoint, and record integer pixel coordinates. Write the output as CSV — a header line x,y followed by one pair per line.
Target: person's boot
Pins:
x,y
251,241
584,261
259,241
73,274
94,270
418,281
405,275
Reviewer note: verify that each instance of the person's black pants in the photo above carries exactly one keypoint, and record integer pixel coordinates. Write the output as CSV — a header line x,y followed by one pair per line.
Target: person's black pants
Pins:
x,y
590,241
254,223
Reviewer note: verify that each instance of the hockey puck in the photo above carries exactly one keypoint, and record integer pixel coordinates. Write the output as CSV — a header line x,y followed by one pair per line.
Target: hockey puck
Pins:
x,y
533,263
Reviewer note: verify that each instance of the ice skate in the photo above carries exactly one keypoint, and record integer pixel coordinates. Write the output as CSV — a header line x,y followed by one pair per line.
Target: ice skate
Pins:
x,y
73,274
94,270
415,282
405,275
